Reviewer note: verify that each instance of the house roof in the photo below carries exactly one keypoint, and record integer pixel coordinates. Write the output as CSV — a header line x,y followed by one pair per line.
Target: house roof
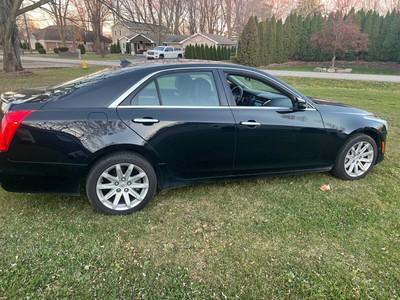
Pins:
x,y
218,39
167,38
72,32
141,27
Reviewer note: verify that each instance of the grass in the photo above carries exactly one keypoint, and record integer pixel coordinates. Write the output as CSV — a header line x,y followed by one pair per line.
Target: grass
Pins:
x,y
86,56
356,69
42,77
270,238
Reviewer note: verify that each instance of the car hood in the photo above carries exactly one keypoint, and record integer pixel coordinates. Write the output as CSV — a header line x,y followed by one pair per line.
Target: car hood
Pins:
x,y
332,106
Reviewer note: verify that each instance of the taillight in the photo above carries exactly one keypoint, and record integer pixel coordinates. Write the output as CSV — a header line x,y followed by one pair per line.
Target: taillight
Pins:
x,y
9,125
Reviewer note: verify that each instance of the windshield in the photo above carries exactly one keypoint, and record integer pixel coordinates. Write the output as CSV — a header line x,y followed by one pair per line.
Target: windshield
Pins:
x,y
159,48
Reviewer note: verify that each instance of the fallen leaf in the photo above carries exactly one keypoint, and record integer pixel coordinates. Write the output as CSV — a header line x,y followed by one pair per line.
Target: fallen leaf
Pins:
x,y
325,187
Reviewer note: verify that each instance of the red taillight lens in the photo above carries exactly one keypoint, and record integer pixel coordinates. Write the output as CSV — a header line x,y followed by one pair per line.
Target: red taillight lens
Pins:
x,y
9,124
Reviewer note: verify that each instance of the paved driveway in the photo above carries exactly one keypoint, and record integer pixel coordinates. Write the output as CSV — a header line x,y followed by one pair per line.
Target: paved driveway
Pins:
x,y
366,77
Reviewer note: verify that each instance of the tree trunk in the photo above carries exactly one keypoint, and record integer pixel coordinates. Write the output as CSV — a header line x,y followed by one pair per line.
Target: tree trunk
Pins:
x,y
11,54
333,61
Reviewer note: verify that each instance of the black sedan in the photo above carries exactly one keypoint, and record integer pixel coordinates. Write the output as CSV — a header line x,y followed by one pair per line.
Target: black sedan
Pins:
x,y
123,134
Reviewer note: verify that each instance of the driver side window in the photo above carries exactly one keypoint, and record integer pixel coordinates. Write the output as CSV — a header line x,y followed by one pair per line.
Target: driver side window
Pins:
x,y
248,91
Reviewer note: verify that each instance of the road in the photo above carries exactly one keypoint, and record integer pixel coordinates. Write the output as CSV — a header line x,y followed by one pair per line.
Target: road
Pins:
x,y
30,62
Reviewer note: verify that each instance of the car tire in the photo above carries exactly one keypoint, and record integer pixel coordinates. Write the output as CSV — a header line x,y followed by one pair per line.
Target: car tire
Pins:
x,y
161,56
121,183
356,158
179,56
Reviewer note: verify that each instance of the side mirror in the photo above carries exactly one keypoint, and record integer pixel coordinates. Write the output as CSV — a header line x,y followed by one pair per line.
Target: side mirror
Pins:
x,y
301,103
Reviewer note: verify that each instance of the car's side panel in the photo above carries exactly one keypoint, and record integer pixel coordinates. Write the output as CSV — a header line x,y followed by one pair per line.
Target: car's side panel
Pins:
x,y
193,142
340,123
52,149
284,139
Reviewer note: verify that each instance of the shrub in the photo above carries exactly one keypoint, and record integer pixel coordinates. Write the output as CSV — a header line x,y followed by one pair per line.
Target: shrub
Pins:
x,y
55,50
41,51
234,59
38,46
63,49
82,48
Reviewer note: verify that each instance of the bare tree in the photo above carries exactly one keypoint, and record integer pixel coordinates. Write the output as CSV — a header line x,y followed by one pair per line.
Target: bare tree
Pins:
x,y
9,10
308,7
24,21
79,15
97,14
59,11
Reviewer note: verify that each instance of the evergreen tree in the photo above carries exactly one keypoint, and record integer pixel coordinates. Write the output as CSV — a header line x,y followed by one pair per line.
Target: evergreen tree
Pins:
x,y
118,48
219,56
262,31
374,47
214,53
202,54
249,46
292,40
195,51
390,46
304,41
271,40
280,55
315,52
188,52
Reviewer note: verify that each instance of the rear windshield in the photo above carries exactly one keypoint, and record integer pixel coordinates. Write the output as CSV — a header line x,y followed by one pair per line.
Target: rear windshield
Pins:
x,y
75,84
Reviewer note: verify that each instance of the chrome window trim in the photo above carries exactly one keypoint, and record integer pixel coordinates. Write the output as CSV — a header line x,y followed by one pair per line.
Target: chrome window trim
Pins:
x,y
269,108
211,107
123,96
170,106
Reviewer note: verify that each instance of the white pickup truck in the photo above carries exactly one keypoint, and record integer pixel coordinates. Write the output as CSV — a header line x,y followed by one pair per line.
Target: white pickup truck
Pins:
x,y
164,52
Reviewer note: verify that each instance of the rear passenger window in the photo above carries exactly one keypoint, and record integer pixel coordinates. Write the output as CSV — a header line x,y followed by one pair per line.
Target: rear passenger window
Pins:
x,y
188,89
148,96
179,89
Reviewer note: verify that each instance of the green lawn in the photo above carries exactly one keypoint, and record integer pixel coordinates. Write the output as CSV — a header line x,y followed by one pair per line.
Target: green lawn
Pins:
x,y
356,70
270,238
86,56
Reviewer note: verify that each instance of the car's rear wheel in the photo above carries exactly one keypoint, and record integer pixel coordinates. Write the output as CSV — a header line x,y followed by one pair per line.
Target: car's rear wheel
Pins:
x,y
179,55
121,183
356,158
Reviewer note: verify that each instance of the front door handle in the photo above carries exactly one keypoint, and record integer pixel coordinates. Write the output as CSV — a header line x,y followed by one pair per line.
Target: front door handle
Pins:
x,y
250,123
145,120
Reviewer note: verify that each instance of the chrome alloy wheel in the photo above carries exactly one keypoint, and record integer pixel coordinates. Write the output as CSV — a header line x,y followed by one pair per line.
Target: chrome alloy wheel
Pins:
x,y
359,159
122,186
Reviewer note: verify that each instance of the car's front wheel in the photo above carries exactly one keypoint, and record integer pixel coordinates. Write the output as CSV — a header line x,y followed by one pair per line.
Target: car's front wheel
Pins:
x,y
356,158
121,183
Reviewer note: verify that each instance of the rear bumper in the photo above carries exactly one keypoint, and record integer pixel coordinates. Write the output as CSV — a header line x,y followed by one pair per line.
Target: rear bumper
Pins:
x,y
28,177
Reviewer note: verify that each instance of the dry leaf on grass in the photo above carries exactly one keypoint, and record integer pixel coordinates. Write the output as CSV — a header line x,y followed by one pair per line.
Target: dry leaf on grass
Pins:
x,y
325,187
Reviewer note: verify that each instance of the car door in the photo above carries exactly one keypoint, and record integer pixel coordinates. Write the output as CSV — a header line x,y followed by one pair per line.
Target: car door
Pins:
x,y
169,52
272,134
181,116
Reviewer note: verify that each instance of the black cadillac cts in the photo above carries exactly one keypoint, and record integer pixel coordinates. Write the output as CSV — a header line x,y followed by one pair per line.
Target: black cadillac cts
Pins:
x,y
123,134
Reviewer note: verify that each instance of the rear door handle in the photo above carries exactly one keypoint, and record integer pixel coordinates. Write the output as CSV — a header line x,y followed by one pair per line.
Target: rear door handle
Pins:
x,y
250,123
145,120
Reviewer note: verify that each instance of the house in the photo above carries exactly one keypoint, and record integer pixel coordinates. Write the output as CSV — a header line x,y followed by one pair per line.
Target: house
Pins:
x,y
142,37
208,39
50,38
141,42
